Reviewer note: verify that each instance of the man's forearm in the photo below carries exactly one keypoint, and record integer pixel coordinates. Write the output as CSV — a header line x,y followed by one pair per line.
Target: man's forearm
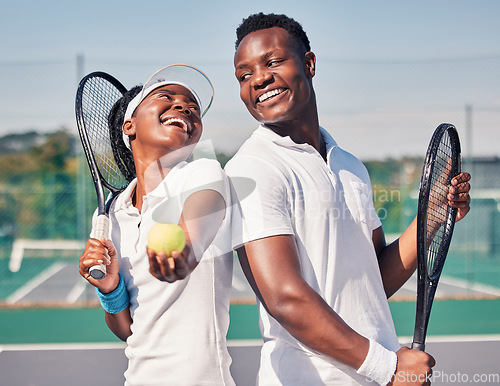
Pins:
x,y
319,327
398,261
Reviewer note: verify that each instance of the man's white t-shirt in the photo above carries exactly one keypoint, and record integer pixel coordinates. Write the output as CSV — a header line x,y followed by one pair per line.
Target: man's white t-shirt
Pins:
x,y
328,207
179,329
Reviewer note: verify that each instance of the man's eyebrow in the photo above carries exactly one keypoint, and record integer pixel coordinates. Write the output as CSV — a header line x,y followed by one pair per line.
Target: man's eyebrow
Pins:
x,y
266,56
241,66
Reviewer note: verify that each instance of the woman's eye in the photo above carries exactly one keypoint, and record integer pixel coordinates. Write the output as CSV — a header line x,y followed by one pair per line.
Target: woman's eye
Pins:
x,y
166,96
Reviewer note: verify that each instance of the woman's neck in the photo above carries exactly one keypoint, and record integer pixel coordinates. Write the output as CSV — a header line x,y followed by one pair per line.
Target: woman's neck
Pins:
x,y
148,179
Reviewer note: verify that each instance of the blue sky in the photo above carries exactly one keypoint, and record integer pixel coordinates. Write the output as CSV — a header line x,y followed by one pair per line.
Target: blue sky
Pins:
x,y
388,71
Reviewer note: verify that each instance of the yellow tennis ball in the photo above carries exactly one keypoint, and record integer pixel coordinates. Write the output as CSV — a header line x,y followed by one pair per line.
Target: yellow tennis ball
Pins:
x,y
166,238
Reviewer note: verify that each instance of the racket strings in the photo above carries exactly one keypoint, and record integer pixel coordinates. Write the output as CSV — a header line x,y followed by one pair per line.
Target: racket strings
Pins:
x,y
98,98
437,223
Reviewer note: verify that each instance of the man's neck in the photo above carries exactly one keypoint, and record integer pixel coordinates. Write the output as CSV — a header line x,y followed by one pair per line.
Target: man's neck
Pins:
x,y
302,131
302,127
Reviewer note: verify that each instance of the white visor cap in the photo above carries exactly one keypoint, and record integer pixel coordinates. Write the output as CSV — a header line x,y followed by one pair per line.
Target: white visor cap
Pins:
x,y
180,74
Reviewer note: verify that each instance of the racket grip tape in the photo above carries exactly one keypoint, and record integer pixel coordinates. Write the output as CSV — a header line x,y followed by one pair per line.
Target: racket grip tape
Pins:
x,y
101,229
418,346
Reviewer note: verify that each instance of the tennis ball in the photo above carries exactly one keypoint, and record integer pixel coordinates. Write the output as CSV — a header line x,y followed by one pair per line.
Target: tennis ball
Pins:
x,y
166,238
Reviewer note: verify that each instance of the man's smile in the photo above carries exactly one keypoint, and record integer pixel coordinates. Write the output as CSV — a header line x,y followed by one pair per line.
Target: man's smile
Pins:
x,y
267,95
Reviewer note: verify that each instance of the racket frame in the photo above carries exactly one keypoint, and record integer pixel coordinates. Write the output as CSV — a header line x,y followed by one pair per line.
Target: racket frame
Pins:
x,y
427,284
101,226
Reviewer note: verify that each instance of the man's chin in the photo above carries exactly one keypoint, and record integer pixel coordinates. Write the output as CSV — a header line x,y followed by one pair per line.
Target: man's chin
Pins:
x,y
269,119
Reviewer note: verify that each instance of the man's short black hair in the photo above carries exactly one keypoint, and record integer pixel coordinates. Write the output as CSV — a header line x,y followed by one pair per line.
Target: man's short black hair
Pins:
x,y
260,21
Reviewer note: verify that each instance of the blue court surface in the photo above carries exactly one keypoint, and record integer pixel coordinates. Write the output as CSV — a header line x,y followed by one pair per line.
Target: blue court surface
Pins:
x,y
45,337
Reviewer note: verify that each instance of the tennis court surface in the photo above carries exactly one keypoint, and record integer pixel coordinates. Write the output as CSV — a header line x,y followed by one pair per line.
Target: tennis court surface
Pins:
x,y
104,364
52,330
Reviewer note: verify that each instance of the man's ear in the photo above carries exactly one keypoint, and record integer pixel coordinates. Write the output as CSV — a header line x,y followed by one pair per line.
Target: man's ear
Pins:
x,y
310,63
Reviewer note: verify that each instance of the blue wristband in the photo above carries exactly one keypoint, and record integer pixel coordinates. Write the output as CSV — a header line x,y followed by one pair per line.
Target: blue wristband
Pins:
x,y
115,301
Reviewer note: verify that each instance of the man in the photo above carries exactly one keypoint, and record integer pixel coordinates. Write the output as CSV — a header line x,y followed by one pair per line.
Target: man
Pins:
x,y
309,241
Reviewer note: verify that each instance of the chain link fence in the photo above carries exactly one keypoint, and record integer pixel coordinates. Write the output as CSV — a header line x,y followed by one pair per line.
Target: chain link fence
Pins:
x,y
47,196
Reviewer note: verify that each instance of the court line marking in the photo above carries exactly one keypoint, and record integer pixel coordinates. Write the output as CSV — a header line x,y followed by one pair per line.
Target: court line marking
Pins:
x,y
230,343
410,285
244,342
474,286
62,346
35,282
239,284
77,291
453,338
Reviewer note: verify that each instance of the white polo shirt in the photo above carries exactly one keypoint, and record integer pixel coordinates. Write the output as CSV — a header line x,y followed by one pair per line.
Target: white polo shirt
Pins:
x,y
179,329
328,207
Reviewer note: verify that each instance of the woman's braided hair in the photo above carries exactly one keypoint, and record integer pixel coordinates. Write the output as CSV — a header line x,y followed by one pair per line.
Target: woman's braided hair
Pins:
x,y
122,154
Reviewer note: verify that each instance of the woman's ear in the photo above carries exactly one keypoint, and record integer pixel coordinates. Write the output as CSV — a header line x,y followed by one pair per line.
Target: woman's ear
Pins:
x,y
310,63
128,127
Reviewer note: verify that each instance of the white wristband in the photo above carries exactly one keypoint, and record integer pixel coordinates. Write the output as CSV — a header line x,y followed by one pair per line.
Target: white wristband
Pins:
x,y
379,365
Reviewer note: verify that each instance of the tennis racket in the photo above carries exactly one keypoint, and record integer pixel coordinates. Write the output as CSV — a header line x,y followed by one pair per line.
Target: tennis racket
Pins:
x,y
96,95
435,221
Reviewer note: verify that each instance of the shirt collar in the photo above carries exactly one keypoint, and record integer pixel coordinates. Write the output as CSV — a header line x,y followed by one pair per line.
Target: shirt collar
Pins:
x,y
124,199
288,142
329,141
162,191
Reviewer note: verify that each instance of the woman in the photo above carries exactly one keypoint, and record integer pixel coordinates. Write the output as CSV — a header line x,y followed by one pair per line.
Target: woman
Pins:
x,y
171,311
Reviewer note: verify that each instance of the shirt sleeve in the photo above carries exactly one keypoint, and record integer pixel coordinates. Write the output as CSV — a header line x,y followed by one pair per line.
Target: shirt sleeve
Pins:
x,y
186,180
205,174
366,200
260,199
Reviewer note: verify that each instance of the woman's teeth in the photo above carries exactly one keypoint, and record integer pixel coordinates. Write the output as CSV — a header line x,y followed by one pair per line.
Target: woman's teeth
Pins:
x,y
176,122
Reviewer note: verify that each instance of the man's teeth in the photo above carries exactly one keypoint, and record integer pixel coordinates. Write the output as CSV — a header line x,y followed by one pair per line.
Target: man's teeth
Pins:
x,y
171,121
270,94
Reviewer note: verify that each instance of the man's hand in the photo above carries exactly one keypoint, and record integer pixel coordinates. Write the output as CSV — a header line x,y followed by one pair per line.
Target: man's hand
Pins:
x,y
458,194
414,368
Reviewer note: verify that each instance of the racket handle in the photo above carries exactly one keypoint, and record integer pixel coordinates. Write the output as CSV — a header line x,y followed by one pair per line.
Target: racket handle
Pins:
x,y
418,346
98,271
101,230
